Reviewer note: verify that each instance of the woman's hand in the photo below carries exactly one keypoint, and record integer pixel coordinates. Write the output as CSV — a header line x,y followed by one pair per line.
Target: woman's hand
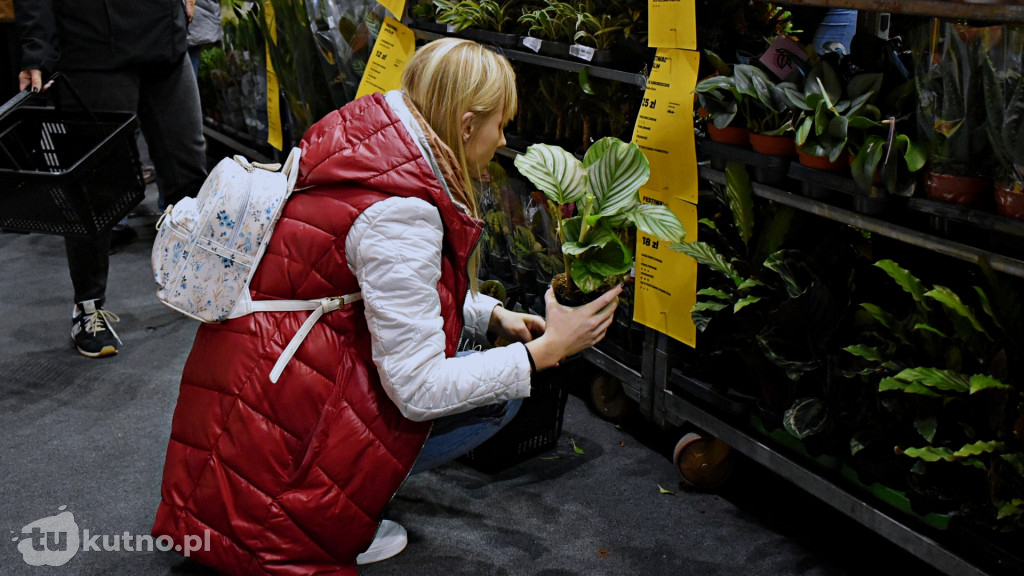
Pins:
x,y
572,330
515,326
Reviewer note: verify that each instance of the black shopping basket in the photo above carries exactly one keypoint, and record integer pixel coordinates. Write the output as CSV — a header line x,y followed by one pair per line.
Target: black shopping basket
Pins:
x,y
67,172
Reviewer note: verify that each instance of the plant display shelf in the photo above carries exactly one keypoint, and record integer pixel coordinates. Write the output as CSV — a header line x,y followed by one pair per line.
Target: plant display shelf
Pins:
x,y
634,78
679,408
235,144
990,10
636,384
882,227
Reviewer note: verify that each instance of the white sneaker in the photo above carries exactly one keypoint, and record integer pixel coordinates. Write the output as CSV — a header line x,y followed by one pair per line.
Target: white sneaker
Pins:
x,y
389,540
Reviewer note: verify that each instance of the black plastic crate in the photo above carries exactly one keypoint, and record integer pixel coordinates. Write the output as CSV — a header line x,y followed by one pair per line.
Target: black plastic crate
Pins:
x,y
535,428
67,172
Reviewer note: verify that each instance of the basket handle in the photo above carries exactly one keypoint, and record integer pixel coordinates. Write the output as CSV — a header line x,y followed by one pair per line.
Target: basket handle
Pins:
x,y
74,93
19,99
25,95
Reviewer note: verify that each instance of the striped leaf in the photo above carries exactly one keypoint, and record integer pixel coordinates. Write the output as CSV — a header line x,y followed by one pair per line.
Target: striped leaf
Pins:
x,y
555,172
658,221
615,170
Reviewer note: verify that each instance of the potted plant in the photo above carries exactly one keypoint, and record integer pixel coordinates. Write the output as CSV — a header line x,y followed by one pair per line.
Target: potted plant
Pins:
x,y
769,111
951,114
1004,103
885,161
482,20
604,189
554,25
719,99
828,108
944,392
768,311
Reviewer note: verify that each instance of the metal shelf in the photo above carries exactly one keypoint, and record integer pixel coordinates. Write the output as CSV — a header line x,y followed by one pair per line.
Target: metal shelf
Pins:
x,y
881,227
634,78
235,144
899,533
952,9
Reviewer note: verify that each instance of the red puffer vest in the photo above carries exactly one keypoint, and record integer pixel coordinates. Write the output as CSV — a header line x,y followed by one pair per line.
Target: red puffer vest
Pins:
x,y
291,478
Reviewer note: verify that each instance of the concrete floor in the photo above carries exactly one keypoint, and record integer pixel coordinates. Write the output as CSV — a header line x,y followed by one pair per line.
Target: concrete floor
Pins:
x,y
87,437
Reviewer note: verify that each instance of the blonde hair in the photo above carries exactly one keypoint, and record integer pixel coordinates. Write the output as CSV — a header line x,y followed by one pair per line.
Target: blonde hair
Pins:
x,y
451,76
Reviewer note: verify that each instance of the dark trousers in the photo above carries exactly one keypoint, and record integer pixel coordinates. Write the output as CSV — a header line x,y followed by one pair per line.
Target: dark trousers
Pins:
x,y
165,98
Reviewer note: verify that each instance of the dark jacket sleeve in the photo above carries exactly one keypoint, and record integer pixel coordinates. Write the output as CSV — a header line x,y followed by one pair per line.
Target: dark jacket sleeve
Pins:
x,y
37,29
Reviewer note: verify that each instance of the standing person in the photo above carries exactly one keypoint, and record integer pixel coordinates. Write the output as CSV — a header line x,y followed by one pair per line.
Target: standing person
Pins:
x,y
119,55
293,477
205,28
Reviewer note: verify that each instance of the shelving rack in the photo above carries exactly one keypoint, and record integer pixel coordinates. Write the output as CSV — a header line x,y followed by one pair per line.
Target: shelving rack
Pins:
x,y
667,404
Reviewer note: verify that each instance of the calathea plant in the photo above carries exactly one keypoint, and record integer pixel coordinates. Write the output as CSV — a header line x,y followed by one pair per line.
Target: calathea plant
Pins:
x,y
604,189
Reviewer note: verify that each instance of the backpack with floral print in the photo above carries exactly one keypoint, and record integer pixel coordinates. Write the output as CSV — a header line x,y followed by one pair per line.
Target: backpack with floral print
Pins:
x,y
207,248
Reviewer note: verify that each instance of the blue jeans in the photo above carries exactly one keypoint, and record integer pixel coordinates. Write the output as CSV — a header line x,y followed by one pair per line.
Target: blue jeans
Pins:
x,y
838,25
453,436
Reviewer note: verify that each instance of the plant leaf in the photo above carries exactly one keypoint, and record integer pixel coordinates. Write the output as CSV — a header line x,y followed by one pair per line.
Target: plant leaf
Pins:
x,y
664,491
658,221
615,172
555,172
741,199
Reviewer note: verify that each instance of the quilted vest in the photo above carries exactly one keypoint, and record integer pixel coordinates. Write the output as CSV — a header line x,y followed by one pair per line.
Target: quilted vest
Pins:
x,y
291,478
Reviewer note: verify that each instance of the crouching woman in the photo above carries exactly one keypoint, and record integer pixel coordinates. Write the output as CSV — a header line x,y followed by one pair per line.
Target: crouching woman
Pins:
x,y
292,477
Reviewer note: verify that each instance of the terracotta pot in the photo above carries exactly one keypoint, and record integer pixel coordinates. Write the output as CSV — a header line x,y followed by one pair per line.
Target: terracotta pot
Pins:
x,y
773,145
702,462
1009,202
963,190
731,135
821,162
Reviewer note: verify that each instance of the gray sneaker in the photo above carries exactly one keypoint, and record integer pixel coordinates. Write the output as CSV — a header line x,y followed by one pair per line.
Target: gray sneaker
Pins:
x,y
92,332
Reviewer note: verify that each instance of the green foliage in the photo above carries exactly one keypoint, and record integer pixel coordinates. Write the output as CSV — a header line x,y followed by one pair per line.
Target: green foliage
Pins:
x,y
301,78
1004,105
604,189
951,113
483,14
829,107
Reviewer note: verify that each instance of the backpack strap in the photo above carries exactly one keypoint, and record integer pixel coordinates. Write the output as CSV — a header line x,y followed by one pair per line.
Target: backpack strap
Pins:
x,y
319,308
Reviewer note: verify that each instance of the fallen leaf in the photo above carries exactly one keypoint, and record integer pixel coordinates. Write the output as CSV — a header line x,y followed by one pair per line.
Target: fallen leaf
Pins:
x,y
664,491
602,553
576,448
622,444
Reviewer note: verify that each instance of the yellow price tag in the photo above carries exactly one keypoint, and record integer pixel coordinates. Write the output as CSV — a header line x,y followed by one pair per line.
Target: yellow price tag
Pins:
x,y
395,45
664,126
274,135
666,280
396,7
672,24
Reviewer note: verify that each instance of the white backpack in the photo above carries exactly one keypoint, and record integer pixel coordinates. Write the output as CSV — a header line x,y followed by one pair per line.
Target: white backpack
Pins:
x,y
207,248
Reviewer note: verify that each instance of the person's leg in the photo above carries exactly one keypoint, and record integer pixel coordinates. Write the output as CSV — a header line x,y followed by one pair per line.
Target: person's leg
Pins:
x,y
454,436
172,123
88,258
838,25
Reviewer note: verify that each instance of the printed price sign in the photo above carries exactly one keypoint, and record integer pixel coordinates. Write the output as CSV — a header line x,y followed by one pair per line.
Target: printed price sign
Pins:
x,y
275,137
672,24
395,45
396,7
664,126
666,280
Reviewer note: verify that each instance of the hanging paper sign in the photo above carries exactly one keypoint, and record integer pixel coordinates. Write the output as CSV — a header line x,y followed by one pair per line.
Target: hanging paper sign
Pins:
x,y
392,51
672,24
396,7
664,125
666,280
274,134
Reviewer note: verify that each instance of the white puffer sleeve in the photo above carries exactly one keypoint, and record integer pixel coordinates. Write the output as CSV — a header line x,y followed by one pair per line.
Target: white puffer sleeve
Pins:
x,y
394,250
